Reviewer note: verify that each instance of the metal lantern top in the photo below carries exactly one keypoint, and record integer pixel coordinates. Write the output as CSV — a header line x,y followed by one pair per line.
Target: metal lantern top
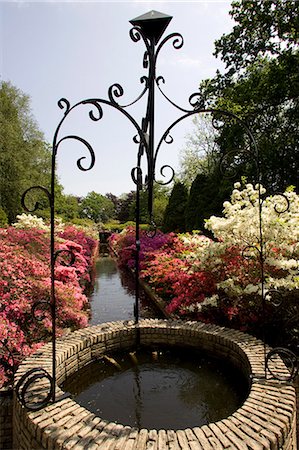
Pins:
x,y
153,24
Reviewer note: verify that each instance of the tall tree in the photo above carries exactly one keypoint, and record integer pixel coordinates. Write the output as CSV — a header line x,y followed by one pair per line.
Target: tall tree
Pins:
x,y
24,155
125,210
262,28
174,217
200,153
261,85
96,207
206,197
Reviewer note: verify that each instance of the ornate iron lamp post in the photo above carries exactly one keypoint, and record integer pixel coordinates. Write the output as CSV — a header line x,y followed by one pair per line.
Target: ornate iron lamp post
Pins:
x,y
148,28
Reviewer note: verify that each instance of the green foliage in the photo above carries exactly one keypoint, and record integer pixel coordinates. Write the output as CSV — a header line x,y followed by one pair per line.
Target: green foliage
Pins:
x,y
200,152
174,217
3,218
160,200
24,156
96,207
261,86
262,28
86,223
206,197
67,207
124,209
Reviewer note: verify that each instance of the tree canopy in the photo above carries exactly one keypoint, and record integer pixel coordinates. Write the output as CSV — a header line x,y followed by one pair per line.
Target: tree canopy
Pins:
x,y
24,155
174,216
262,28
261,86
200,152
96,207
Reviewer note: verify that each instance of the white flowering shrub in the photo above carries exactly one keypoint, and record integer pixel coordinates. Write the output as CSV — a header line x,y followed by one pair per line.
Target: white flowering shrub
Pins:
x,y
30,221
59,224
272,235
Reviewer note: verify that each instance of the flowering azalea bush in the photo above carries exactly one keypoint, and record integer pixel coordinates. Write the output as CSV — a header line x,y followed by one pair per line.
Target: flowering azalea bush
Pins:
x,y
124,245
240,227
25,287
220,280
30,221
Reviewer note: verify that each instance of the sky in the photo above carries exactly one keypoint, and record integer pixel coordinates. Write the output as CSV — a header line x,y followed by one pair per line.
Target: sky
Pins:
x,y
76,50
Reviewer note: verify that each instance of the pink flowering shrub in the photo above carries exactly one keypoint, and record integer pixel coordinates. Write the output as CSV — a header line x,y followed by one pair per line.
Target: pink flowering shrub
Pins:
x,y
25,282
124,246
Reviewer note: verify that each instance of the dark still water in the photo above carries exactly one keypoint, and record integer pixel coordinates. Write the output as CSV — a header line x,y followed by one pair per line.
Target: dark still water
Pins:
x,y
169,388
113,297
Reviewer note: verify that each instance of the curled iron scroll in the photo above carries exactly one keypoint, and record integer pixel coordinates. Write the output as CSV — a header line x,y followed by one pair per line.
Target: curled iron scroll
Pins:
x,y
136,174
7,358
63,103
197,101
116,91
37,204
40,305
177,43
136,34
249,256
230,161
67,251
32,391
151,233
290,360
274,297
98,109
284,209
162,170
87,145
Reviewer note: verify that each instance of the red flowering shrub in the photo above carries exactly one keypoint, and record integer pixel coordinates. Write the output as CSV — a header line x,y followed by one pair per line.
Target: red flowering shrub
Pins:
x,y
25,287
198,278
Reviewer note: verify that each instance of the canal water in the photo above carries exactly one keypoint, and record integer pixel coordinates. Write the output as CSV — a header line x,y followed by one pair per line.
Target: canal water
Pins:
x,y
113,296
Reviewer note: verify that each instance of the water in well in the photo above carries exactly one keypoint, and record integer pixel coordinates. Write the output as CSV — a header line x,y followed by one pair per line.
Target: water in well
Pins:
x,y
161,388
167,388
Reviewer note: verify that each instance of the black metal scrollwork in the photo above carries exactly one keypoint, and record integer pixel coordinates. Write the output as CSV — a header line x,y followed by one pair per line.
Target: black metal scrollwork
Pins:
x,y
273,364
136,175
162,172
177,42
38,307
197,101
87,145
35,389
279,209
274,297
8,359
98,109
63,103
68,252
37,204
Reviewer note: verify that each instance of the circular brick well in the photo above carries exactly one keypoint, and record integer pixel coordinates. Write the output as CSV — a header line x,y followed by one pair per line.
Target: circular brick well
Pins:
x,y
266,420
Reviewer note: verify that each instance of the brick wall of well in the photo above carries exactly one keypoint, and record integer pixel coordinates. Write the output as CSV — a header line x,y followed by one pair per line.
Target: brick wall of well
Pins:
x,y
266,420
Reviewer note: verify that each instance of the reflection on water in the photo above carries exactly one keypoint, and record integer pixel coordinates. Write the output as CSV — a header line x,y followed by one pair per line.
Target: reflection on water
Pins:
x,y
177,389
113,296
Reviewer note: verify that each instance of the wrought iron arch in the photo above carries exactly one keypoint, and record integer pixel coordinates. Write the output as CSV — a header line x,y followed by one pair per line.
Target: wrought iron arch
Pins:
x,y
149,29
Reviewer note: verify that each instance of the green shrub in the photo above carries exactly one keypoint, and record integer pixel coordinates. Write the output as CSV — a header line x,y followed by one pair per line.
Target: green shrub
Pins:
x,y
3,218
